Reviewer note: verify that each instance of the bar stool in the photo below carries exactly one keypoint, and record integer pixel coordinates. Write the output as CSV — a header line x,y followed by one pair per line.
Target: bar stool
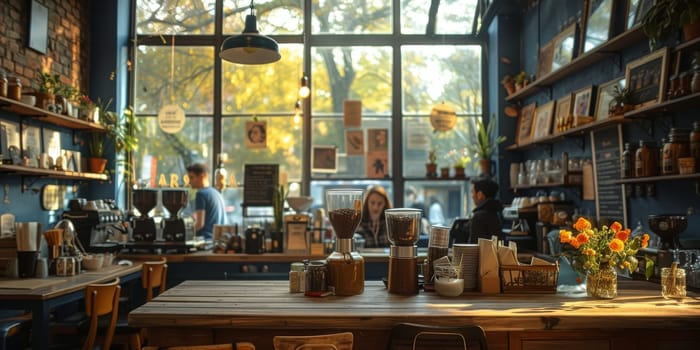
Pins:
x,y
335,341
418,336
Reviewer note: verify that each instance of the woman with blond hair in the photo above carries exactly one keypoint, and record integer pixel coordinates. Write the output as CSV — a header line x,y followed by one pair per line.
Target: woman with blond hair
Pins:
x,y
373,224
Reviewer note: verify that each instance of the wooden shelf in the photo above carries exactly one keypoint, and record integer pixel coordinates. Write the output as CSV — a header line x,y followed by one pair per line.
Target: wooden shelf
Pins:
x,y
658,178
614,45
45,116
573,132
56,174
548,185
674,105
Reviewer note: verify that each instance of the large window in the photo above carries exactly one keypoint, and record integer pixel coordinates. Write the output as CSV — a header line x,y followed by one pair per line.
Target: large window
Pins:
x,y
352,52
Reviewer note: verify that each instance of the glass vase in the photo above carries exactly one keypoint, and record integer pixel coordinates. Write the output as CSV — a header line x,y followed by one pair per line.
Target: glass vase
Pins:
x,y
602,285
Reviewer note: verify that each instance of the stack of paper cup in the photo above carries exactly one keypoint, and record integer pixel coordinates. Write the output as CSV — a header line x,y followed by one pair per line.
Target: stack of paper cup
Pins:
x,y
28,240
467,255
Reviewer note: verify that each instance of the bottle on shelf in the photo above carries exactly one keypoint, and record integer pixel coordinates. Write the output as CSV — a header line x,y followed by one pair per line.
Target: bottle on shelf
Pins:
x,y
220,174
627,162
645,159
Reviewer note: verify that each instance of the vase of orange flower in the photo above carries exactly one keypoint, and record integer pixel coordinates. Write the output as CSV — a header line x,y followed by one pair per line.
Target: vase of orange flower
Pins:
x,y
597,252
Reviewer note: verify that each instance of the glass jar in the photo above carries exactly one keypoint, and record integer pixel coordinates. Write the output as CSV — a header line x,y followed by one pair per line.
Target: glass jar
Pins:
x,y
346,269
677,146
316,278
297,278
695,144
14,89
673,282
3,84
645,159
627,161
602,284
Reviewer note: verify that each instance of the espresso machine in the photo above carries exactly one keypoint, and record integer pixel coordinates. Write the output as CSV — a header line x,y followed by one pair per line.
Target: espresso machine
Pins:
x,y
177,228
403,229
144,226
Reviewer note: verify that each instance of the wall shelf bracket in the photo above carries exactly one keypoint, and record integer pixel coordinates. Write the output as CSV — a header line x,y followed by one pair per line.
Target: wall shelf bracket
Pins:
x,y
28,182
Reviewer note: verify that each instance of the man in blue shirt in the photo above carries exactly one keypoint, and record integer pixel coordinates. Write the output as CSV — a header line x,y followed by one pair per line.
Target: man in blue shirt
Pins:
x,y
209,208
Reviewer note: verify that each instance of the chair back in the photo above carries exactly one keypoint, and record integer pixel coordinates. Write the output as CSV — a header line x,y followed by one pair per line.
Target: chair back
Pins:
x,y
417,336
238,346
100,300
153,276
335,341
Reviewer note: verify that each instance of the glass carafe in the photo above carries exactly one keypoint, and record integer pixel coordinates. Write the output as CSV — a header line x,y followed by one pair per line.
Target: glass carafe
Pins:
x,y
346,269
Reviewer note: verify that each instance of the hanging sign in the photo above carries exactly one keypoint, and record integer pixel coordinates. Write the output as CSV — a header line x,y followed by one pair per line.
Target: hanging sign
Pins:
x,y
443,117
171,119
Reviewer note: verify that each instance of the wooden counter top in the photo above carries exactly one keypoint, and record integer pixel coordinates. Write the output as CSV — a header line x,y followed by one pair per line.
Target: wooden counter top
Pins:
x,y
380,255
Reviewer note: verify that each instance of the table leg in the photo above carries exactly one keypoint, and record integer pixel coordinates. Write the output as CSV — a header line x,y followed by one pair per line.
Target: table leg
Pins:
x,y
40,325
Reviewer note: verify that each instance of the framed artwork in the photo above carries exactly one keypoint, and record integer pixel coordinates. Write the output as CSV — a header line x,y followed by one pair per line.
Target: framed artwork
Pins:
x,y
255,134
563,110
354,143
525,124
544,61
564,47
38,27
582,102
377,140
352,113
295,238
31,144
646,78
543,120
377,164
636,10
605,97
324,159
11,148
598,22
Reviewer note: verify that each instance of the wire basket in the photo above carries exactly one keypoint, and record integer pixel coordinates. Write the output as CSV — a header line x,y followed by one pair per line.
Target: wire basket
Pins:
x,y
529,278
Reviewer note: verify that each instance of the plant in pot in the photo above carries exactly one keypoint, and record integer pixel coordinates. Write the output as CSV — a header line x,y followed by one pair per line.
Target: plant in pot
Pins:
x,y
120,133
486,143
665,17
521,80
621,102
46,86
431,165
509,84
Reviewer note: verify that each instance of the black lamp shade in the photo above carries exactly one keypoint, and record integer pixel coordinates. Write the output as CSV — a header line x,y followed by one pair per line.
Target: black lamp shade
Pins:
x,y
250,47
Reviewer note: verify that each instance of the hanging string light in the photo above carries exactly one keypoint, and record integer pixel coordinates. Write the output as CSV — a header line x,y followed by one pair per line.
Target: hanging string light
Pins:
x,y
304,90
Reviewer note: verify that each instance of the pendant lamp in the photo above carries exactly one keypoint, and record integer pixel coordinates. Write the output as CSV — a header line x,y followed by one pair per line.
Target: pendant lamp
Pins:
x,y
250,47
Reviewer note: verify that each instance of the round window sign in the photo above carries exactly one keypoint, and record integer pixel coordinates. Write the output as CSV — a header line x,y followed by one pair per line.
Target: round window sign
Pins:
x,y
171,119
443,117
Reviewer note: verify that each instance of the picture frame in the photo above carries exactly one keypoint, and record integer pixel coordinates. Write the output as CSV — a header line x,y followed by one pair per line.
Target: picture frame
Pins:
x,y
255,134
324,159
31,145
646,78
354,142
543,120
11,147
544,60
582,102
525,120
38,27
636,10
605,96
598,23
564,47
562,111
377,140
296,241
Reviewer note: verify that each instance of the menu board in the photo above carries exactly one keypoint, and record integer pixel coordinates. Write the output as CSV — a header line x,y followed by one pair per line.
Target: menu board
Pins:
x,y
260,183
610,195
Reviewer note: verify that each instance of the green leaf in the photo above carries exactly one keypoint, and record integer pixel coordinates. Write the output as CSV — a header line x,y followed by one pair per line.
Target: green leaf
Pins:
x,y
649,267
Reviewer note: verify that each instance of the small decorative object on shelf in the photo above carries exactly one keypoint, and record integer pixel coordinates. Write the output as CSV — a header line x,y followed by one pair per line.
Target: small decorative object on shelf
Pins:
x,y
666,17
595,252
509,84
431,165
486,143
521,80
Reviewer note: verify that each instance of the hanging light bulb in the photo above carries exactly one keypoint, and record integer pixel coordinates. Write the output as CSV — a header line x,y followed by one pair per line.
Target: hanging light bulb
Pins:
x,y
304,90
297,113
250,47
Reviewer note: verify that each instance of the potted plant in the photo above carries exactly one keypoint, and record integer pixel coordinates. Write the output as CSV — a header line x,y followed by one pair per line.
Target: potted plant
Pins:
x,y
509,84
119,132
46,86
521,80
431,166
485,143
665,17
460,165
621,102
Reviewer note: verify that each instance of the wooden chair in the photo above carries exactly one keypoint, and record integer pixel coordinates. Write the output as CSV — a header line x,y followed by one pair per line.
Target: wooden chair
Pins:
x,y
153,276
335,341
238,346
417,336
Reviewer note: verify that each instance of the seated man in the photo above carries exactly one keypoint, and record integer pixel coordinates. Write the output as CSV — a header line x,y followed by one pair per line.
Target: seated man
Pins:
x,y
486,217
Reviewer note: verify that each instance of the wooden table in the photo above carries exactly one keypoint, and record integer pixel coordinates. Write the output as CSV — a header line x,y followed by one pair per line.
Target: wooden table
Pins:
x,y
42,300
201,312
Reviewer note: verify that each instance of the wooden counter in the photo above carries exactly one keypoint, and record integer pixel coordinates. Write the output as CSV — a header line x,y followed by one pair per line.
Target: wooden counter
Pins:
x,y
223,311
375,255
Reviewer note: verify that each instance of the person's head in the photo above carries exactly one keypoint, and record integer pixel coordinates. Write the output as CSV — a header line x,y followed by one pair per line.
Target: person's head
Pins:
x,y
376,200
411,195
198,174
483,189
256,133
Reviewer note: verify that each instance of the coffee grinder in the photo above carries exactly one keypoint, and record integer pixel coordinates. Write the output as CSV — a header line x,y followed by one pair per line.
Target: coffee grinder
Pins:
x,y
403,228
297,224
177,228
668,227
144,226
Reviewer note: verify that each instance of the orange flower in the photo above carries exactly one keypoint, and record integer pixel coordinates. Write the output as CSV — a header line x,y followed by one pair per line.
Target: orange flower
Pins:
x,y
564,236
589,252
582,224
616,245
616,227
623,235
582,238
574,243
645,238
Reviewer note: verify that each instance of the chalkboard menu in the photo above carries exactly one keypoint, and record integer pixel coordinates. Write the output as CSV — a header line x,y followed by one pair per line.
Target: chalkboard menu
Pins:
x,y
610,196
260,183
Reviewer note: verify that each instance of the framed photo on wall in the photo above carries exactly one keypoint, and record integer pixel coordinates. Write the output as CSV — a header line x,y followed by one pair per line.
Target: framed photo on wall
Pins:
x,y
636,10
598,23
544,61
646,78
582,102
527,114
543,120
606,93
564,47
563,111
354,142
324,159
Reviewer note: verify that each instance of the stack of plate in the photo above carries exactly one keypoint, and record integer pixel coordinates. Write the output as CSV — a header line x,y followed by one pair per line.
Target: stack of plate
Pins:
x,y
468,254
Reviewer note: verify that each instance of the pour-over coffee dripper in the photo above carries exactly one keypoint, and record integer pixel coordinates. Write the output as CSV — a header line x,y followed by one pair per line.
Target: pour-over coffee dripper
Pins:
x,y
300,204
668,227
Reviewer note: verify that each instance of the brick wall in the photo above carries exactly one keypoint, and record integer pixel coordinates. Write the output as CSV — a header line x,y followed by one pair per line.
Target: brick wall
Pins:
x,y
68,46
